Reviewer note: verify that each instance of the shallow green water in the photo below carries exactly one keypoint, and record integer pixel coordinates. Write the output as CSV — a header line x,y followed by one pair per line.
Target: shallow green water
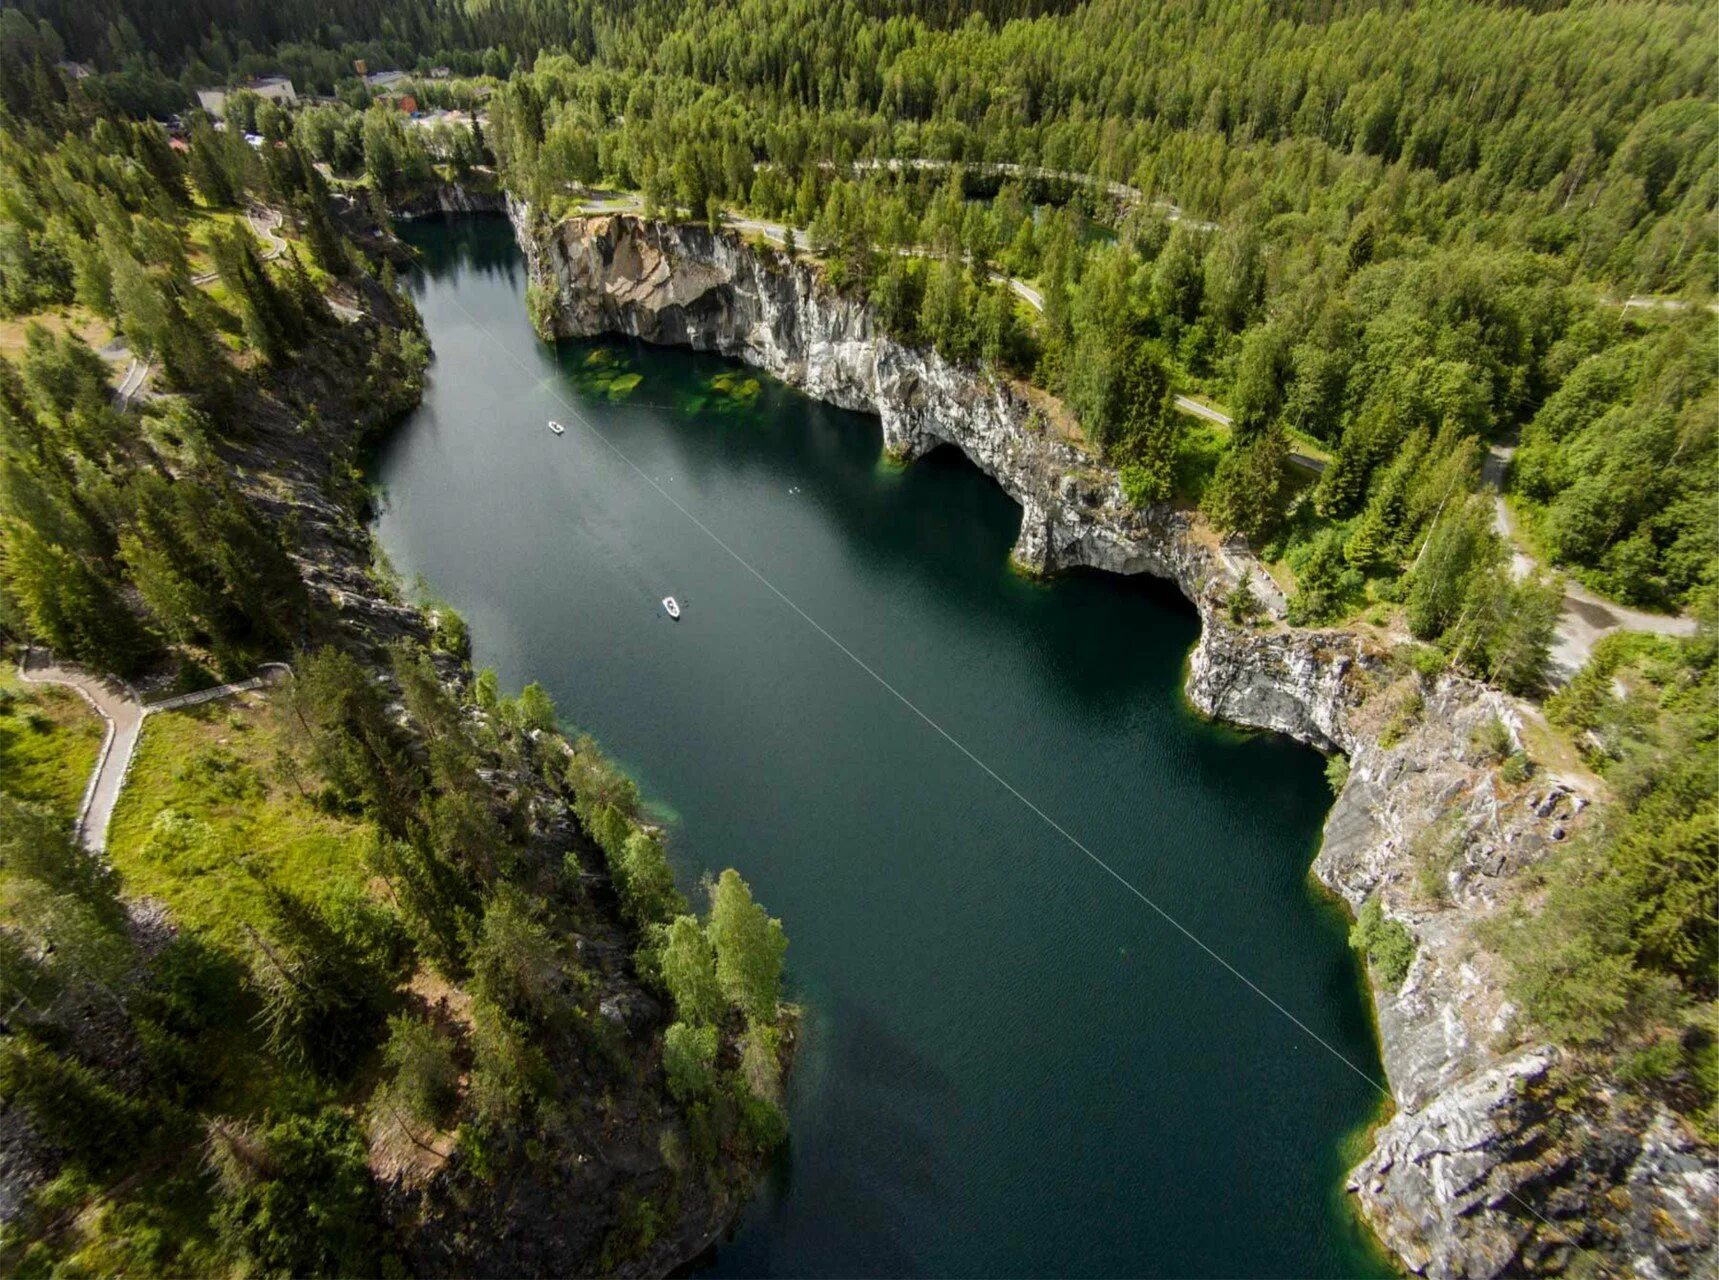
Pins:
x,y
1011,1066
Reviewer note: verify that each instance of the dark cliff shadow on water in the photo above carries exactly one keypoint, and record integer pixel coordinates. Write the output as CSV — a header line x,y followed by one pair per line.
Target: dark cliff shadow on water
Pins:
x,y
476,242
890,1100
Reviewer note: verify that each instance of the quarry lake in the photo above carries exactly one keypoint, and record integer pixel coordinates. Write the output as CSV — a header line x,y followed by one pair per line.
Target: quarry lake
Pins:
x,y
1009,1064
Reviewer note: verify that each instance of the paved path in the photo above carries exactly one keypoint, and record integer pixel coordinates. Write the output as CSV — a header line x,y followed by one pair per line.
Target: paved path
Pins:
x,y
1584,617
265,222
1115,190
136,374
118,704
1193,408
131,382
1650,302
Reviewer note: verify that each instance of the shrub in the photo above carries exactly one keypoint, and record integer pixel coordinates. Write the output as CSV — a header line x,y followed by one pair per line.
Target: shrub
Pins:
x,y
1491,740
452,635
689,1060
1658,1061
762,1122
760,1061
426,1081
1424,660
1241,602
1387,945
1406,717
1337,773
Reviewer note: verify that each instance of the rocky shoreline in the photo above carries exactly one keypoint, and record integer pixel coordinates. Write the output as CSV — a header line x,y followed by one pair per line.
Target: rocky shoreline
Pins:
x,y
1490,1164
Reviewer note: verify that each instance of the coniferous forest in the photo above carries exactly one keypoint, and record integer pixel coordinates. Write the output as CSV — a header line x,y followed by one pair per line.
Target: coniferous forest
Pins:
x,y
1441,274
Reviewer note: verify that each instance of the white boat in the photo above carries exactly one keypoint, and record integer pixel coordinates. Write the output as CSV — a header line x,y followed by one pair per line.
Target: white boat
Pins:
x,y
556,427
671,607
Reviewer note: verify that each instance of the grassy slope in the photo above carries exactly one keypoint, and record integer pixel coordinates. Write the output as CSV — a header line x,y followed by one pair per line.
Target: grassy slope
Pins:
x,y
206,807
229,811
49,739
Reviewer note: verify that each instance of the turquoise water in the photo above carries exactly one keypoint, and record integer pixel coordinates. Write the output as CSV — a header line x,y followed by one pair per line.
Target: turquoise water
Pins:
x,y
1010,1065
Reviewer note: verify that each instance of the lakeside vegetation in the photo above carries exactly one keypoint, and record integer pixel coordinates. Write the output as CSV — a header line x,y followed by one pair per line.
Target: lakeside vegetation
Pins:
x,y
367,958
353,930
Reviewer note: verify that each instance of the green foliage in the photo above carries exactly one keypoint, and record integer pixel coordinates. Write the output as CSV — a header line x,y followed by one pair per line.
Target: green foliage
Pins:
x,y
1241,604
1462,592
516,964
535,709
1619,950
689,1060
1619,464
1460,544
1396,284
1125,412
1246,494
646,882
1491,740
340,723
1427,662
1326,586
324,980
1386,944
510,1074
37,846
1411,703
598,783
749,947
1506,629
297,1197
95,1121
1337,773
426,1080
1382,241
688,964
761,1061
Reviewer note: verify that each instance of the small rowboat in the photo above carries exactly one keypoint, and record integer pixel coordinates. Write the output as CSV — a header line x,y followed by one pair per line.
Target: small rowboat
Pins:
x,y
556,427
671,607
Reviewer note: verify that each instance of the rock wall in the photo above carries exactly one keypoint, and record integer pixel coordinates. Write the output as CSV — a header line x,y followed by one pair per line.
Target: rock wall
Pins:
x,y
450,198
1478,1172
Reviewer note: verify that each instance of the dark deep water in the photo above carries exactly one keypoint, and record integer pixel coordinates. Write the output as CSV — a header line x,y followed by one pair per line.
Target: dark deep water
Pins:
x,y
1010,1065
